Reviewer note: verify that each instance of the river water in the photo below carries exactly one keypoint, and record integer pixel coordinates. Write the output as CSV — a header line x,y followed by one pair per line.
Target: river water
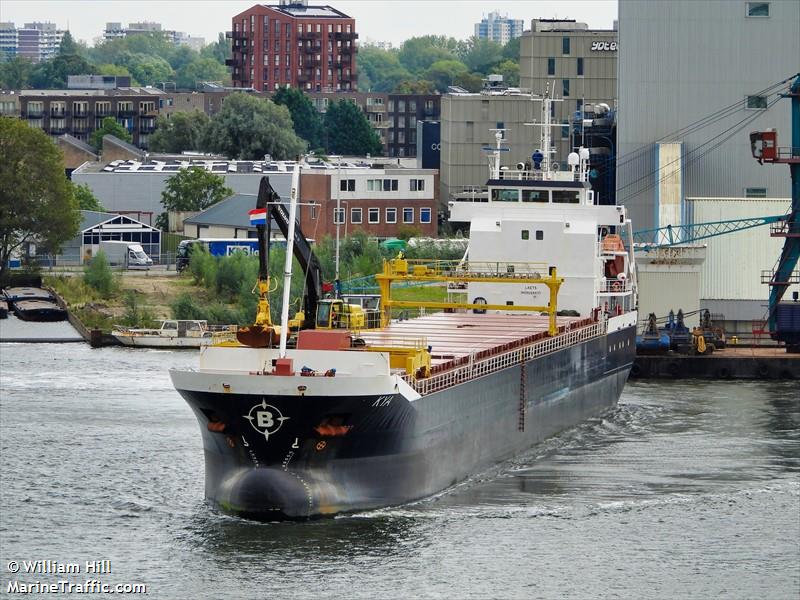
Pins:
x,y
687,490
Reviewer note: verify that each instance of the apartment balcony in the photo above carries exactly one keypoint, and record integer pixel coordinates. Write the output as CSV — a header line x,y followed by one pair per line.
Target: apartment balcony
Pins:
x,y
59,114
33,114
127,112
147,127
234,62
80,128
81,114
58,129
236,35
343,35
309,35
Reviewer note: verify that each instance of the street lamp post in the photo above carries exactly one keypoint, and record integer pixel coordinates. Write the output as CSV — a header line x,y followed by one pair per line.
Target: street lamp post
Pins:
x,y
338,220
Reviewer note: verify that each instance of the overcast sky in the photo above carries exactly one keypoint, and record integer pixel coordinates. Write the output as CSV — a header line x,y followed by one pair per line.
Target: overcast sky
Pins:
x,y
378,20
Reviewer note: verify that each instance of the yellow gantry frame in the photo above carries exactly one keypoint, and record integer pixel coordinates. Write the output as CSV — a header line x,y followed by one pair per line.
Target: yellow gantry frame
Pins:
x,y
397,269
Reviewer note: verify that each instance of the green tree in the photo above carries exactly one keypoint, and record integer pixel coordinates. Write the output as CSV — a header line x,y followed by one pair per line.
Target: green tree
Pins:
x,y
191,189
471,82
181,131
198,70
69,45
444,73
149,69
349,132
85,198
97,274
181,56
248,127
379,70
509,70
52,74
110,127
15,74
415,86
305,118
36,201
219,50
511,49
481,55
419,53
116,70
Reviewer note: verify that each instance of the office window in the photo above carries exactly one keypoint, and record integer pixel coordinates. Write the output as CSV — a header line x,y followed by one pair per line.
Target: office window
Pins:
x,y
391,215
374,215
417,185
424,215
551,66
565,45
754,192
338,216
757,9
565,88
347,185
756,102
390,185
355,216
525,234
539,235
408,215
580,67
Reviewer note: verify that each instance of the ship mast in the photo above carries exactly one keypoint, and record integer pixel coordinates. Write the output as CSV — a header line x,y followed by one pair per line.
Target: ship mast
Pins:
x,y
287,268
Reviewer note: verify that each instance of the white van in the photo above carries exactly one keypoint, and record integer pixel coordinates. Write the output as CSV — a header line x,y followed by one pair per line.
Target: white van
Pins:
x,y
125,254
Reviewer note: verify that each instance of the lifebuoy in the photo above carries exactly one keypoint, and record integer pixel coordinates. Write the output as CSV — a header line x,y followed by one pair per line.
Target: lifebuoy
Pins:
x,y
636,370
762,371
673,369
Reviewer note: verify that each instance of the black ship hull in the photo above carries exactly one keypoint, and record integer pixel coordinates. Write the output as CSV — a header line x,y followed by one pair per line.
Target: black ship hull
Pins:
x,y
272,457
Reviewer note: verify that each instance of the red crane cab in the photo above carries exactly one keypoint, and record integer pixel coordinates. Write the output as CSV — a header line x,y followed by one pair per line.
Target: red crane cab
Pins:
x,y
764,145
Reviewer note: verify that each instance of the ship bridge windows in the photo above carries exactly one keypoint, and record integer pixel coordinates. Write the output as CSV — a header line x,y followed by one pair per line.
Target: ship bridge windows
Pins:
x,y
566,197
505,195
534,196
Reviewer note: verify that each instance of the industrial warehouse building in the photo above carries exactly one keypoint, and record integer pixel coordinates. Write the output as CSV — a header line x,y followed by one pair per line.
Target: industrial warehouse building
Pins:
x,y
683,61
579,64
695,78
101,226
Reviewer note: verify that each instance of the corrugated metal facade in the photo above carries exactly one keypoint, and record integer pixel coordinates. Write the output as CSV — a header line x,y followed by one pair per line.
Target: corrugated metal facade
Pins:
x,y
733,265
683,60
466,121
662,291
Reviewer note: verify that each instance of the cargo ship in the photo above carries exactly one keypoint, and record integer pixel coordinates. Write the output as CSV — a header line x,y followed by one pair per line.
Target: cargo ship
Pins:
x,y
346,408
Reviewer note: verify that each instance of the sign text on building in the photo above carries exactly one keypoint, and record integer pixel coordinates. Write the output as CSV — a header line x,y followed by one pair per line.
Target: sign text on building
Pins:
x,y
604,46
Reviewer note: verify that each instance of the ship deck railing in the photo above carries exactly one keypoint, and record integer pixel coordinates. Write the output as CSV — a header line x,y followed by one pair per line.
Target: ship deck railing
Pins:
x,y
478,368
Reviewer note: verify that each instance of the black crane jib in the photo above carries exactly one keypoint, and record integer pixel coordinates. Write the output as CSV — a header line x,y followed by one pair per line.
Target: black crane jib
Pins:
x,y
269,199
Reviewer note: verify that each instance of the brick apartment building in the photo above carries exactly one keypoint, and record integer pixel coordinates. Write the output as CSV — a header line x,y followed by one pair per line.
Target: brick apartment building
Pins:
x,y
79,112
377,200
309,47
393,116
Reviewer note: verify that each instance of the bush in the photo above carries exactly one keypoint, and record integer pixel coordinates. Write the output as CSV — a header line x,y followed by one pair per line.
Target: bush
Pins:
x,y
185,307
99,276
135,314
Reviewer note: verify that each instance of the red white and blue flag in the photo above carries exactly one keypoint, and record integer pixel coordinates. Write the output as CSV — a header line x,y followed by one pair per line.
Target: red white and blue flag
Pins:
x,y
258,216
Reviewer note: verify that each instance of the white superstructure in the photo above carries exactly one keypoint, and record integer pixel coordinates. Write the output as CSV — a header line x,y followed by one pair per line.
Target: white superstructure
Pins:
x,y
536,213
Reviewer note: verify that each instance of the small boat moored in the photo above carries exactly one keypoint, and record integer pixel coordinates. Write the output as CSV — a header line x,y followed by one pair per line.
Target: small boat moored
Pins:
x,y
175,333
